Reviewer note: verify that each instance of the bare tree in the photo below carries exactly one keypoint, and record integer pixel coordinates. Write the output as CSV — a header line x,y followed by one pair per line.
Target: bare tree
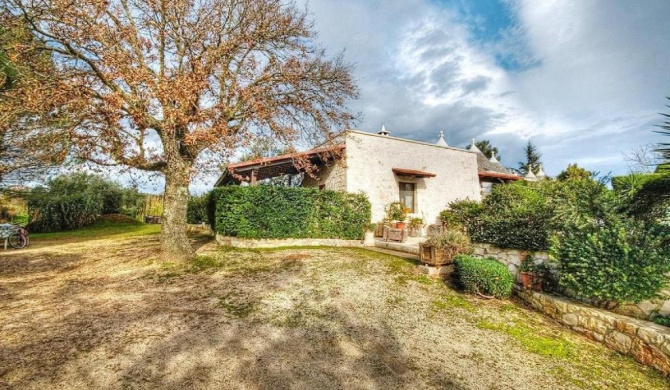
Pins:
x,y
643,159
155,84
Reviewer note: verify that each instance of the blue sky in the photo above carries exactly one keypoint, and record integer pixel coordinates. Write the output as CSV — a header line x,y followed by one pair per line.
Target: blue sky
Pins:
x,y
584,80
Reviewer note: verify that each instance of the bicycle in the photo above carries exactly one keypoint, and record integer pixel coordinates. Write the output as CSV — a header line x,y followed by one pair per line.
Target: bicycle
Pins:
x,y
19,238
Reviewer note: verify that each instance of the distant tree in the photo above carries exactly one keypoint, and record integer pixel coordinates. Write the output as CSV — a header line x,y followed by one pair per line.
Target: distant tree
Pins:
x,y
653,196
574,172
487,149
168,87
532,159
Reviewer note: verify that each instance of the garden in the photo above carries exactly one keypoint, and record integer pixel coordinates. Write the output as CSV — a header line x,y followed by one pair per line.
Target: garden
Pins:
x,y
606,247
95,308
99,275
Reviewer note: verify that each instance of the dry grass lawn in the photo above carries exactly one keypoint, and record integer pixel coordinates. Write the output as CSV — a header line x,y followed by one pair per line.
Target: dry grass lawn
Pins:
x,y
97,311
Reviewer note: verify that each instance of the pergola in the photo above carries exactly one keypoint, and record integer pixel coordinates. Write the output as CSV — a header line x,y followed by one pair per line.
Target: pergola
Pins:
x,y
286,164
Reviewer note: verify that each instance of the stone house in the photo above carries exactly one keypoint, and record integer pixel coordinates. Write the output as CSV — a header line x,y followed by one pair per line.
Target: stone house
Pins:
x,y
424,176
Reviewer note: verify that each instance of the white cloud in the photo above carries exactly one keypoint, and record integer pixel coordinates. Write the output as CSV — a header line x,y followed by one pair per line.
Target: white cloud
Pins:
x,y
596,76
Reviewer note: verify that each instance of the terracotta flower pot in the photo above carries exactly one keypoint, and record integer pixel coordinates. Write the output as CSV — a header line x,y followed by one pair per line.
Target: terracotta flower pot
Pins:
x,y
400,225
527,280
531,281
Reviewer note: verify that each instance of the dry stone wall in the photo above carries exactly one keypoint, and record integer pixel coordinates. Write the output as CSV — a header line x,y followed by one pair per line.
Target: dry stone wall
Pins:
x,y
512,258
647,342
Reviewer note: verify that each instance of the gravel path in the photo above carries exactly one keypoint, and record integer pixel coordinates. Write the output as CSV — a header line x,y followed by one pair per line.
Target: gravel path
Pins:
x,y
103,314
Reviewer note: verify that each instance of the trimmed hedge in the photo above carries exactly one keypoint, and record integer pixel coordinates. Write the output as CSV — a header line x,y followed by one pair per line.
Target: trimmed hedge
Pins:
x,y
485,276
287,212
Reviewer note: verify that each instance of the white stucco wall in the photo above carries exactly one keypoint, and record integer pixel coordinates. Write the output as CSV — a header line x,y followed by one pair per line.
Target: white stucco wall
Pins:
x,y
370,158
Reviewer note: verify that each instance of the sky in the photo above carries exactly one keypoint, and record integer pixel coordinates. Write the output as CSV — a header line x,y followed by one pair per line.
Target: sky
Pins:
x,y
582,80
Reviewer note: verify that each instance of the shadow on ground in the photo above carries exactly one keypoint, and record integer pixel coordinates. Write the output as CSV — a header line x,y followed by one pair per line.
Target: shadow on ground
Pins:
x,y
104,318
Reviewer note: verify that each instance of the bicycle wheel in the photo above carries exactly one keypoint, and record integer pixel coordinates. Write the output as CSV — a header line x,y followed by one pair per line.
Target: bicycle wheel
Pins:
x,y
17,241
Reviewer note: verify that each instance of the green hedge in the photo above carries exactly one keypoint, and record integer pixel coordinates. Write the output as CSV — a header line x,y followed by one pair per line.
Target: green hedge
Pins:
x,y
197,209
287,212
512,216
486,276
49,213
623,262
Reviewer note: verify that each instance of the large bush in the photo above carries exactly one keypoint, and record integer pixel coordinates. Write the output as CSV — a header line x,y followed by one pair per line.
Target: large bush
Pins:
x,y
197,209
285,212
604,253
512,216
73,201
618,262
485,276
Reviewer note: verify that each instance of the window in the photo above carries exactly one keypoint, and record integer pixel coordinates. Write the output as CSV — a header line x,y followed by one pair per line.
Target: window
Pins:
x,y
407,195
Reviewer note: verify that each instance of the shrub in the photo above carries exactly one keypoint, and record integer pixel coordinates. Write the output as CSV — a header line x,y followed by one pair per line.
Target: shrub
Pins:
x,y
661,320
396,211
581,204
461,214
484,276
286,212
73,201
451,243
50,213
512,216
197,209
620,262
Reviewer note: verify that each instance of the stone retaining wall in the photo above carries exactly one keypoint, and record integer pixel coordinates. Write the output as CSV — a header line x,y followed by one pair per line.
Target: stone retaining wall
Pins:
x,y
647,342
284,242
512,258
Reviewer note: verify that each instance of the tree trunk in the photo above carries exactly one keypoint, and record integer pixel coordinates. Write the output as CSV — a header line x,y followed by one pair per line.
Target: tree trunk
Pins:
x,y
175,247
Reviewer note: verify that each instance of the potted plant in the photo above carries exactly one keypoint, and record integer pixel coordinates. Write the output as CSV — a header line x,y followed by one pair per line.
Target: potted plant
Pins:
x,y
397,211
441,248
415,225
532,275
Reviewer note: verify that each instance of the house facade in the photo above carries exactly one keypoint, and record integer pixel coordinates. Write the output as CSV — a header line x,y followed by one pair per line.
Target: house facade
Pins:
x,y
424,176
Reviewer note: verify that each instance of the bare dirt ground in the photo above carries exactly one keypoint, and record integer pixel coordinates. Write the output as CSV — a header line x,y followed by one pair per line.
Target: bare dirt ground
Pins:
x,y
101,313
